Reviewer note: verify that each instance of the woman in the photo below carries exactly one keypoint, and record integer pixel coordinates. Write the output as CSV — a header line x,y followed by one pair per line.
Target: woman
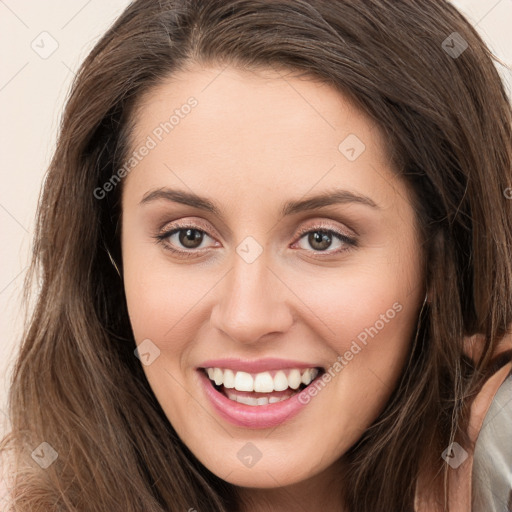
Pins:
x,y
274,244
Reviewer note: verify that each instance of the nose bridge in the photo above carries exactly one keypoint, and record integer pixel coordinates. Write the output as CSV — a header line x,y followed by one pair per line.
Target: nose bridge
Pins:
x,y
251,303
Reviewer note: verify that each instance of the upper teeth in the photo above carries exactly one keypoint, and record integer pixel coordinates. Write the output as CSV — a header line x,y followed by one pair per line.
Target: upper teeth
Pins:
x,y
262,382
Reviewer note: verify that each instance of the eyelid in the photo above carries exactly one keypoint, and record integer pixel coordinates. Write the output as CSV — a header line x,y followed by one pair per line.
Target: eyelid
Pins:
x,y
317,225
186,224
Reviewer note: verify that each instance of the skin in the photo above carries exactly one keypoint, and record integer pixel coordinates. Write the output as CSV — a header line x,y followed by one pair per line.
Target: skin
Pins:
x,y
254,141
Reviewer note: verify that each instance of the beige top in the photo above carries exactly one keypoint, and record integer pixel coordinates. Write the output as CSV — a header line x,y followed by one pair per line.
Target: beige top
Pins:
x,y
462,474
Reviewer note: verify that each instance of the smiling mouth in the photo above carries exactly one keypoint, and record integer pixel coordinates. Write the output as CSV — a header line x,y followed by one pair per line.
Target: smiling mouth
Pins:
x,y
265,388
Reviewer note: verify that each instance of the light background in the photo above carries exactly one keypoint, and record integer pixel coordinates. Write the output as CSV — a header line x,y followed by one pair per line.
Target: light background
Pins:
x,y
33,91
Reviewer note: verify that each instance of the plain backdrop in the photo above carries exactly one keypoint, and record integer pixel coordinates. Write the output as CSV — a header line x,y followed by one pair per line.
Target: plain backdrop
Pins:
x,y
41,46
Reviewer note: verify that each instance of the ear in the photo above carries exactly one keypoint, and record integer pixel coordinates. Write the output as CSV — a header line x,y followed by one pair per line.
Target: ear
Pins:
x,y
473,346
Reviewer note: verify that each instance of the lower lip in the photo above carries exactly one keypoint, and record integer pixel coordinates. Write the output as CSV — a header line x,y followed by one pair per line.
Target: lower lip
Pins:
x,y
251,416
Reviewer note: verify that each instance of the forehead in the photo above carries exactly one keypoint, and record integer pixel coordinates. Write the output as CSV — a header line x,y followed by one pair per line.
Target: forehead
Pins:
x,y
251,133
286,103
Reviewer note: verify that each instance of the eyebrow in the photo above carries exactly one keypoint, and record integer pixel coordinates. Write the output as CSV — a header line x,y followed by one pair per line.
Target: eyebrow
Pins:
x,y
289,208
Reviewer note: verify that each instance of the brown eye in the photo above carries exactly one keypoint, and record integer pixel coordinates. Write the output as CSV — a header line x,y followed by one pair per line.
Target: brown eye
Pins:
x,y
183,240
319,240
190,238
322,238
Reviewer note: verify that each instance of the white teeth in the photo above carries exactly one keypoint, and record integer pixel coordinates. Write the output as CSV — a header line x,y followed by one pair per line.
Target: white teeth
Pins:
x,y
243,381
309,375
262,382
229,379
247,400
294,379
254,401
218,376
280,381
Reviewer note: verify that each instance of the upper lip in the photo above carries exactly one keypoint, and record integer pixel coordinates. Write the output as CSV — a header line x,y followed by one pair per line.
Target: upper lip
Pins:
x,y
258,365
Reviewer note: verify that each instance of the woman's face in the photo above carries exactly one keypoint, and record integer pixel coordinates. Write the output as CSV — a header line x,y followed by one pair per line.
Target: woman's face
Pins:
x,y
265,234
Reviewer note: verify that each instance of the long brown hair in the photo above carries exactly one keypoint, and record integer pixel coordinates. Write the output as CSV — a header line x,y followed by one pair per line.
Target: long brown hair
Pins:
x,y
77,385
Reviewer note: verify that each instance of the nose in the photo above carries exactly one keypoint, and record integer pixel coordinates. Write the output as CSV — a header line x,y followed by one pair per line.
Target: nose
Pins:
x,y
252,303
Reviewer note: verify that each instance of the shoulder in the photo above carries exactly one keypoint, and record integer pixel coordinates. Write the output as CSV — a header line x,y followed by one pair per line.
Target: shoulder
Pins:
x,y
480,478
492,465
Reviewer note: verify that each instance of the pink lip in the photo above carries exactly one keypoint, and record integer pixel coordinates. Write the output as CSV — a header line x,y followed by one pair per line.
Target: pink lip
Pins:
x,y
259,416
261,365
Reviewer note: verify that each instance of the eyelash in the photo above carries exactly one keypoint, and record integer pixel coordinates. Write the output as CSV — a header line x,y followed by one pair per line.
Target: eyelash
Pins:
x,y
349,242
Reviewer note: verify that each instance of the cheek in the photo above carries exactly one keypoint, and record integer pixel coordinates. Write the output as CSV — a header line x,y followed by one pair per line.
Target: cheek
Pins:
x,y
370,332
151,312
368,317
160,296
161,308
372,302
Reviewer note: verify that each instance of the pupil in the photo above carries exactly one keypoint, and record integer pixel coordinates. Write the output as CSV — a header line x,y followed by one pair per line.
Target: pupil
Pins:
x,y
188,237
320,237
